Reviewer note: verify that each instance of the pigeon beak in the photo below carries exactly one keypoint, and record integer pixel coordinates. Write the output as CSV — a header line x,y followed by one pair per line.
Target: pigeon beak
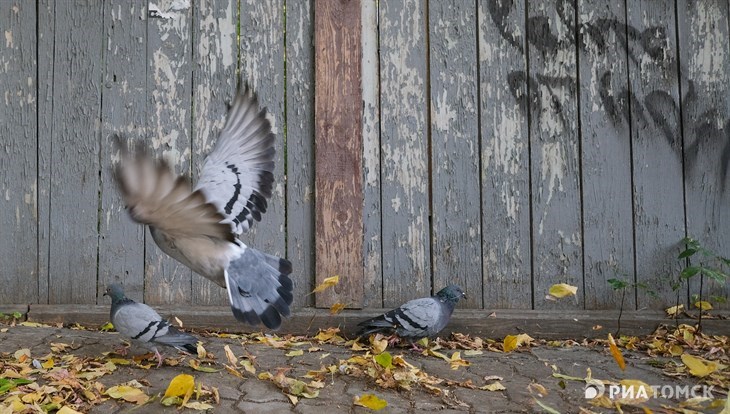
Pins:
x,y
463,294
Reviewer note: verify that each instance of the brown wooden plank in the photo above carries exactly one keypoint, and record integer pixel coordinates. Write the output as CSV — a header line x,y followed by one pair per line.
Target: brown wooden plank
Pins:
x,y
555,151
214,84
74,161
404,174
656,145
704,56
372,210
261,50
455,175
18,159
542,324
507,265
169,90
300,148
121,240
608,237
338,151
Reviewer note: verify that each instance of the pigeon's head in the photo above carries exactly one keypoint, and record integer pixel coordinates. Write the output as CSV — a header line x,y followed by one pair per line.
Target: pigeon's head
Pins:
x,y
451,293
115,291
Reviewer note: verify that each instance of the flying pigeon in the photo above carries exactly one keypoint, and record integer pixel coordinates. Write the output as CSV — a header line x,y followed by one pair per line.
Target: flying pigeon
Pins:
x,y
200,227
418,318
144,326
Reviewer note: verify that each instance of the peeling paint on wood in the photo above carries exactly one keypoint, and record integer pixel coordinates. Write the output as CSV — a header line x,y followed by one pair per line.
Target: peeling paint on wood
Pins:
x,y
455,204
18,161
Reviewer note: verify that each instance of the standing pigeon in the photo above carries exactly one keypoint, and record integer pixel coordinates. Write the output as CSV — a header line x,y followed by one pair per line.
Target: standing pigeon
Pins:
x,y
418,318
143,325
199,227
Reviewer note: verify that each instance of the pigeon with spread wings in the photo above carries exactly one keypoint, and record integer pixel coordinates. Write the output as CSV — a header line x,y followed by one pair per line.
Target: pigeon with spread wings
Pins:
x,y
199,227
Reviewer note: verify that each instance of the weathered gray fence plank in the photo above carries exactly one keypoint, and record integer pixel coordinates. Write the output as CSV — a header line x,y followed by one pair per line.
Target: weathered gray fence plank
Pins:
x,y
18,159
124,94
262,64
608,238
300,148
75,133
169,88
705,68
404,151
215,50
372,211
507,264
455,202
555,151
658,193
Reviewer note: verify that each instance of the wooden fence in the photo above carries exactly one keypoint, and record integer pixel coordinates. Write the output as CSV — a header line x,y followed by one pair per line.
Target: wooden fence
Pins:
x,y
501,145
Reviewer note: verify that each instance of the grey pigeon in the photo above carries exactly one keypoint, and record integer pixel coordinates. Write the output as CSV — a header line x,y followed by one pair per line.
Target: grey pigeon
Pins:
x,y
144,326
418,318
200,227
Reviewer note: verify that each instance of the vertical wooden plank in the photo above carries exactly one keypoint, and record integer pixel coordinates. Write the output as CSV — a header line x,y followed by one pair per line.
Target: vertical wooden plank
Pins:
x,y
455,202
606,153
555,150
338,151
18,160
300,148
658,192
214,83
404,151
372,211
705,62
507,264
169,87
121,240
262,65
74,181
46,35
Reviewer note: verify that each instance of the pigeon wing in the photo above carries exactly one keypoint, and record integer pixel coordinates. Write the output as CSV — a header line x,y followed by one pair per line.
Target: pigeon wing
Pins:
x,y
237,175
417,318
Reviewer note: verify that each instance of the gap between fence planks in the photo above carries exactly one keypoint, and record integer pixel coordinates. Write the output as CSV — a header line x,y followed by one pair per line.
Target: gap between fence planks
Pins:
x,y
338,151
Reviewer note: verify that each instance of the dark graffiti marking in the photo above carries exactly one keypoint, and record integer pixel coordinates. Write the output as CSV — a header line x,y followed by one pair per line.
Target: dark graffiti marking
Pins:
x,y
654,107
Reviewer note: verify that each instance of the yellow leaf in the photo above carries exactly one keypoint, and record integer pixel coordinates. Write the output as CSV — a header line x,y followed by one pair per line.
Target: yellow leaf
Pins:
x,y
512,342
48,364
182,385
231,357
371,401
202,353
67,410
293,398
457,362
248,366
674,310
296,352
495,386
726,408
337,308
127,393
676,350
562,290
699,367
705,306
197,405
639,390
378,343
616,353
327,283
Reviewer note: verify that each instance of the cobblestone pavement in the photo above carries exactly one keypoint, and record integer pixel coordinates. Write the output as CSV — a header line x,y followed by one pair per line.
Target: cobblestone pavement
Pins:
x,y
253,395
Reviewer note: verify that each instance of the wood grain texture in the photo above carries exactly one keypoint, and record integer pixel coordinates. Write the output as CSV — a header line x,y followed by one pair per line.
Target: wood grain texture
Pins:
x,y
658,193
75,135
705,66
124,93
606,153
338,152
555,151
455,201
215,52
372,210
169,90
18,159
404,152
262,66
507,264
300,148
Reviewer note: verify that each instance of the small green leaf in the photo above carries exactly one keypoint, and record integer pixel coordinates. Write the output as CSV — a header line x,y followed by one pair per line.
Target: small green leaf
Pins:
x,y
617,284
384,359
715,274
690,271
687,253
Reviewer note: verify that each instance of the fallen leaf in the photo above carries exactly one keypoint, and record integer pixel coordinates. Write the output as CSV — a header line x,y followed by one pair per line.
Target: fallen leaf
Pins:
x,y
616,353
371,401
179,322
512,342
538,388
726,408
337,308
182,385
197,405
674,310
547,408
195,364
384,359
457,362
327,283
202,353
22,355
562,290
128,393
106,327
703,305
698,366
67,410
378,343
296,352
231,357
495,386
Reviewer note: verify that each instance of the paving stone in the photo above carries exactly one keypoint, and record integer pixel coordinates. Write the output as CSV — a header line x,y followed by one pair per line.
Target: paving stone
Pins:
x,y
271,407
